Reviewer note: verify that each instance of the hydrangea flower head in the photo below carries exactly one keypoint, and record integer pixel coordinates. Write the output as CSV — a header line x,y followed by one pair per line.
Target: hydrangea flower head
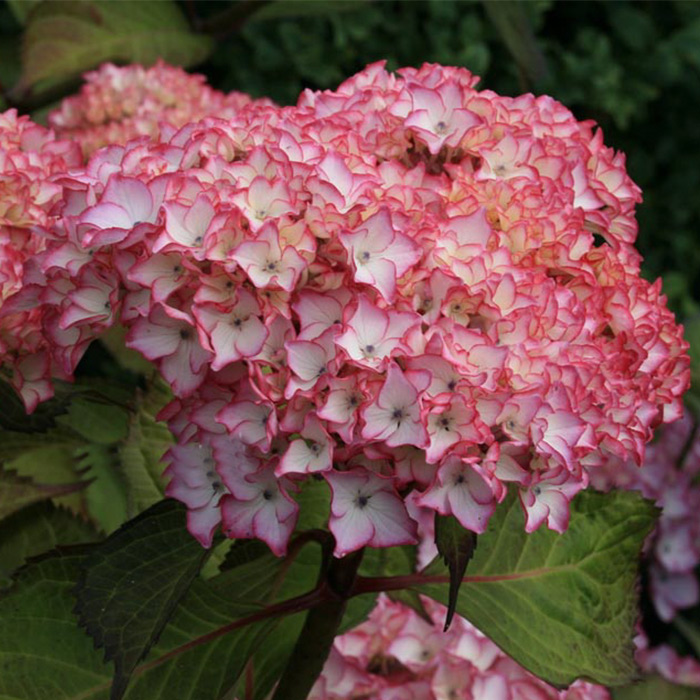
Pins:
x,y
405,287
120,103
30,159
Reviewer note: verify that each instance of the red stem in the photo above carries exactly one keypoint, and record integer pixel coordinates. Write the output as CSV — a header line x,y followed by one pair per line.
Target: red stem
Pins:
x,y
293,605
322,594
374,584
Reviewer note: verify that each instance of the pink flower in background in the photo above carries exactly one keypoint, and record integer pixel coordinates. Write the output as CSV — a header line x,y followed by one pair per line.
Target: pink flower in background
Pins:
x,y
120,103
395,654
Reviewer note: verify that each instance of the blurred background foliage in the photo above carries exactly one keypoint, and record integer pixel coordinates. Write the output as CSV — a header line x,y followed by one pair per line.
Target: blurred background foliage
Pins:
x,y
633,67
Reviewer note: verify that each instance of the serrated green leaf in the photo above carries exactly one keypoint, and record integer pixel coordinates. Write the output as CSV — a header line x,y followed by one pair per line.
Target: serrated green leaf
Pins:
x,y
132,583
456,545
655,688
17,491
106,496
50,464
37,529
563,606
43,653
64,38
17,444
140,455
100,423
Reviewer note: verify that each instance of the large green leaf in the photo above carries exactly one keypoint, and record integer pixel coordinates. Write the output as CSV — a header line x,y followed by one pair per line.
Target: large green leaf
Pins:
x,y
14,444
97,422
63,38
200,655
17,491
655,688
36,529
563,606
133,581
271,658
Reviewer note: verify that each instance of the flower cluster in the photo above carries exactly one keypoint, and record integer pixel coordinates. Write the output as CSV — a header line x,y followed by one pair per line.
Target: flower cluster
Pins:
x,y
415,291
30,156
120,103
398,655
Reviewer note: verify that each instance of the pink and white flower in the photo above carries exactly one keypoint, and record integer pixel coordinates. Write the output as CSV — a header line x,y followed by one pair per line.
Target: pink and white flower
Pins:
x,y
366,511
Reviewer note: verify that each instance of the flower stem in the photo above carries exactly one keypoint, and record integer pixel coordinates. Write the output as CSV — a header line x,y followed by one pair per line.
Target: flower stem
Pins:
x,y
320,628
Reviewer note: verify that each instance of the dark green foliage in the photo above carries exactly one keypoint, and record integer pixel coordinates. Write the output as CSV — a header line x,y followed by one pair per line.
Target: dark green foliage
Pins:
x,y
132,582
456,546
551,600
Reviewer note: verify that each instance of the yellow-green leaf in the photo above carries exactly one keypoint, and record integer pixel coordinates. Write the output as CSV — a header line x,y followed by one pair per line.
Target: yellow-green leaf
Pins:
x,y
64,38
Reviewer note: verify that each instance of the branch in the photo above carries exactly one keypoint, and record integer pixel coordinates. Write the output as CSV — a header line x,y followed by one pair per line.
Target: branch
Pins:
x,y
320,628
285,607
378,584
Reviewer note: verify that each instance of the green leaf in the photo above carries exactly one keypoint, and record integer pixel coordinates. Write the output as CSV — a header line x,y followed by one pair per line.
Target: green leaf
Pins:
x,y
140,455
22,8
36,529
456,545
17,444
114,340
64,38
271,658
16,491
100,423
50,464
132,583
314,501
655,688
385,561
563,606
106,496
199,656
